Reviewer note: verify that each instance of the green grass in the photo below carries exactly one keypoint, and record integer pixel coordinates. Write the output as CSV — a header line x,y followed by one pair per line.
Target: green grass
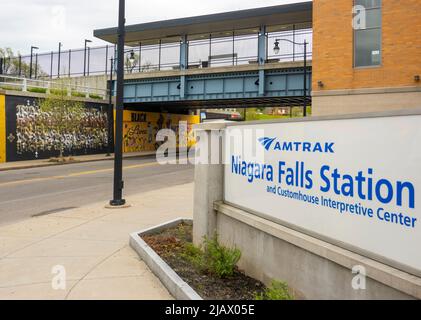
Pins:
x,y
37,90
297,112
13,88
78,94
58,92
95,96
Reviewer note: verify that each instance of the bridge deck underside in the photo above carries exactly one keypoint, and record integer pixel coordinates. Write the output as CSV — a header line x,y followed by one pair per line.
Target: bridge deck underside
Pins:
x,y
227,103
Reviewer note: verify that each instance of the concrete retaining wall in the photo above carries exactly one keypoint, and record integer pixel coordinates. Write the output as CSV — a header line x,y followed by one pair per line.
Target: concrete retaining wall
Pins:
x,y
98,82
313,268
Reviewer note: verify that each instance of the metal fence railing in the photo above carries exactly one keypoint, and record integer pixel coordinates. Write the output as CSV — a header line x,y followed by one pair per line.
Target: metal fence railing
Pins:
x,y
232,49
66,88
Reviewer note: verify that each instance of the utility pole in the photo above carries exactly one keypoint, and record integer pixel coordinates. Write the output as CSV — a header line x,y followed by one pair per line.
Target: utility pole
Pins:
x,y
118,152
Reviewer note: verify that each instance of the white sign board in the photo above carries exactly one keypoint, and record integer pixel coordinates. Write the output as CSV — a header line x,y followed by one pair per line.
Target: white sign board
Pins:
x,y
353,181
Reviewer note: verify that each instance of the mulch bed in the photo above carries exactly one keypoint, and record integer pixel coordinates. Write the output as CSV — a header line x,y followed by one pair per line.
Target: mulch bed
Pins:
x,y
170,246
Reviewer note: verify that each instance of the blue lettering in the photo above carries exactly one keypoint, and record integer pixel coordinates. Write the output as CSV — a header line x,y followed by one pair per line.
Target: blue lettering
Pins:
x,y
411,193
318,148
388,198
287,146
306,147
326,180
329,147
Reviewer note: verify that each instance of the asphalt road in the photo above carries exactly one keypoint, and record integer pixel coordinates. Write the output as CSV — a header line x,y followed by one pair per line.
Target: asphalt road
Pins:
x,y
32,192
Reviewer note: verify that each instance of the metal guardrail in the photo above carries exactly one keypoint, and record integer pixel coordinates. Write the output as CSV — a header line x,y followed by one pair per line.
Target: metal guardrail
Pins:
x,y
50,87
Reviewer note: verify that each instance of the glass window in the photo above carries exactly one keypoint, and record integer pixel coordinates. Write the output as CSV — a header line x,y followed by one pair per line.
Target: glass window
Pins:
x,y
368,4
368,39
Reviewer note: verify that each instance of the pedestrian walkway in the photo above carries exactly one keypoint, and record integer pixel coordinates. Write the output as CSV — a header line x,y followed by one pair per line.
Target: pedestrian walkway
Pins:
x,y
77,159
91,243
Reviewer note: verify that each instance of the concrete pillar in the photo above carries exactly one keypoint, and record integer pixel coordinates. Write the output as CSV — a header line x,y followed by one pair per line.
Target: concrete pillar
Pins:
x,y
209,179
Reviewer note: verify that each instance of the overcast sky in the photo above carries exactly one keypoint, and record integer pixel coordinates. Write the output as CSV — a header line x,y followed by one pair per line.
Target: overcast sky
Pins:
x,y
43,23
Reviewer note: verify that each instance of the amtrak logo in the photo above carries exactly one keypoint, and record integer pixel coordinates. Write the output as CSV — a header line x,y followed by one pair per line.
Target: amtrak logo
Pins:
x,y
274,144
267,142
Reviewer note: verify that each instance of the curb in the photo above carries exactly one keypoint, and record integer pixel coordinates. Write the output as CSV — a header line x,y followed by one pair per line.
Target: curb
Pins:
x,y
49,164
179,289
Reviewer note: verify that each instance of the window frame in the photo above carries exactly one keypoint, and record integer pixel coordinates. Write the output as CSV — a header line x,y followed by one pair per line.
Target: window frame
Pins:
x,y
354,35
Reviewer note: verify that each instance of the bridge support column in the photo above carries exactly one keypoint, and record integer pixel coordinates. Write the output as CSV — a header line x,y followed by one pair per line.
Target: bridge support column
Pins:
x,y
182,87
184,53
262,54
184,64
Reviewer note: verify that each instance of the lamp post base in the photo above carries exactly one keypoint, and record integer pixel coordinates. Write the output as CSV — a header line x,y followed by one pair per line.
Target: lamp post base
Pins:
x,y
118,204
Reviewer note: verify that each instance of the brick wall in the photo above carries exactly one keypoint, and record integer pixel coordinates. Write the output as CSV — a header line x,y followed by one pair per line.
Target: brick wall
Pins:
x,y
333,46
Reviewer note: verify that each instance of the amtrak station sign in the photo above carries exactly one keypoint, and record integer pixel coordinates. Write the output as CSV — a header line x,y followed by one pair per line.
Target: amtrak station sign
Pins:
x,y
352,182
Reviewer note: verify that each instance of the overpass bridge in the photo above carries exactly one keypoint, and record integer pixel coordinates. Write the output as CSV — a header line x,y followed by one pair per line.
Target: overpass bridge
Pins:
x,y
237,86
218,60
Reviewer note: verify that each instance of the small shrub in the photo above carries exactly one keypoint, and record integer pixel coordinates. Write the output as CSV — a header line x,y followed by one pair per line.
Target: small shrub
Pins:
x,y
277,291
181,231
58,92
78,94
195,256
95,96
221,260
213,257
13,88
37,90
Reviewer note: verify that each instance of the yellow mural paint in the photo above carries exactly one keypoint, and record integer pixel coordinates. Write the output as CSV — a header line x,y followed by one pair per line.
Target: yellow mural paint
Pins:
x,y
140,129
2,128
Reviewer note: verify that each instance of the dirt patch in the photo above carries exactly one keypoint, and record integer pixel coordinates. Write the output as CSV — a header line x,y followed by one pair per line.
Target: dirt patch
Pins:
x,y
170,245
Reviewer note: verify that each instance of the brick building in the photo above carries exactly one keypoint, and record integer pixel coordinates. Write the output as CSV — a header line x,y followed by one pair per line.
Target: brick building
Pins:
x,y
371,67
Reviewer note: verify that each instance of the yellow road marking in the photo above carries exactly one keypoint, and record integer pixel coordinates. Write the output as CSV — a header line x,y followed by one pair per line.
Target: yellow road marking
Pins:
x,y
77,174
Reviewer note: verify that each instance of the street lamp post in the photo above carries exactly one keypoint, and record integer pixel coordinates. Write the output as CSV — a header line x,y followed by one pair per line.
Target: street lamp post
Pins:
x,y
84,56
118,146
276,49
30,63
110,111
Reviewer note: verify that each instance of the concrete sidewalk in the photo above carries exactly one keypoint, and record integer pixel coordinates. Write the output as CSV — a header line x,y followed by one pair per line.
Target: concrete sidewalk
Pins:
x,y
78,159
91,243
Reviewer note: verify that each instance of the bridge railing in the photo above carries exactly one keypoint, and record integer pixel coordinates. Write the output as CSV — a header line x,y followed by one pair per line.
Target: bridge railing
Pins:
x,y
50,87
230,49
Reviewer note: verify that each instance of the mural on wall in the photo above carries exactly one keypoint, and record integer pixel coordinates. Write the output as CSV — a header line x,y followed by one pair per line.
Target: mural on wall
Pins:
x,y
36,132
141,128
32,134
